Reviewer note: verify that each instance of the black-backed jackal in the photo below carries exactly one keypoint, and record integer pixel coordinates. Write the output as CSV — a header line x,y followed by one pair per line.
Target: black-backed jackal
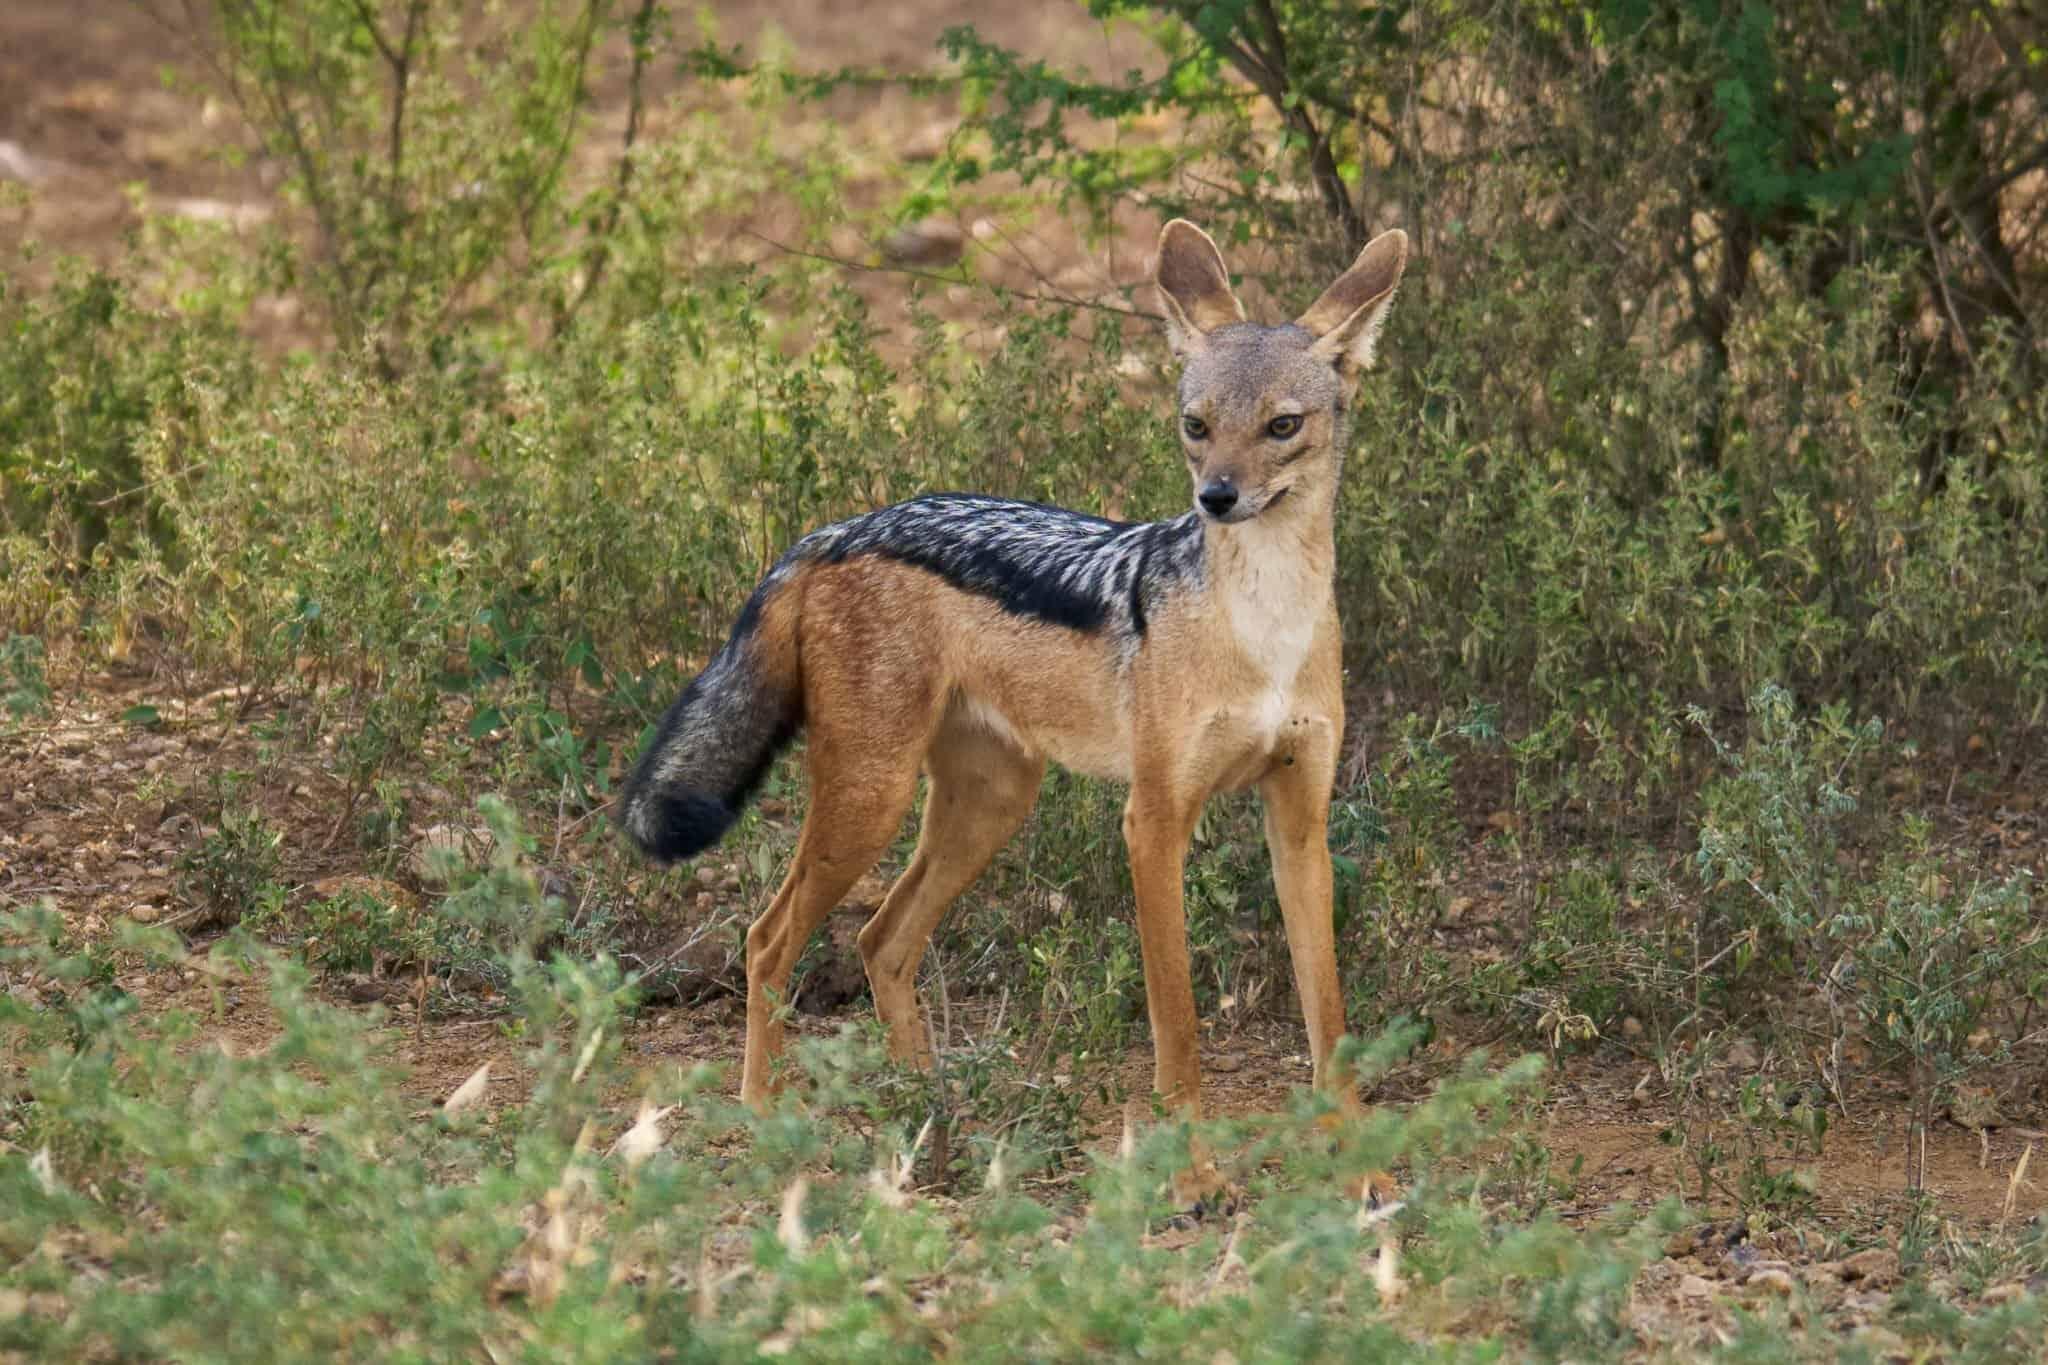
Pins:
x,y
975,638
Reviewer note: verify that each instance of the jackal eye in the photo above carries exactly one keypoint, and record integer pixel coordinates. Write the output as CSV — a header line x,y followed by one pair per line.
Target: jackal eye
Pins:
x,y
1195,427
1282,427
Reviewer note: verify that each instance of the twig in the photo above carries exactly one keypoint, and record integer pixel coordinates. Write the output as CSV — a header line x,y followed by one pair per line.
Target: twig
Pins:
x,y
1001,291
640,29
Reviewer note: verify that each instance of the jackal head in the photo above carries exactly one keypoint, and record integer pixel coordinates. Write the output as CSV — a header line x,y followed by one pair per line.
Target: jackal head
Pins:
x,y
1262,408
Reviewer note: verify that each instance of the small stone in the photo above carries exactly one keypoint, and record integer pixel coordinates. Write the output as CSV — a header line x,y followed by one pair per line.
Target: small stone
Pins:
x,y
1882,1343
707,876
1695,1287
442,845
1873,1267
928,142
931,243
1975,1107
1779,1282
17,165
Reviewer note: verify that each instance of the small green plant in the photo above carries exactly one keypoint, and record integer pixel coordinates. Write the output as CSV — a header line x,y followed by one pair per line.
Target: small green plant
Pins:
x,y
233,870
1392,839
542,1209
1088,981
1771,850
357,930
21,674
1928,963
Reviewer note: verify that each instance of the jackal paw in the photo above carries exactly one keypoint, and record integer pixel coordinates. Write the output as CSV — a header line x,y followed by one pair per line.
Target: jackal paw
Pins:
x,y
1376,1190
1201,1191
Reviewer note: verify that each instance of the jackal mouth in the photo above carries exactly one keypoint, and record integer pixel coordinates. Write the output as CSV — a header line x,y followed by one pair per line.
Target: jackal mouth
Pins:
x,y
1244,512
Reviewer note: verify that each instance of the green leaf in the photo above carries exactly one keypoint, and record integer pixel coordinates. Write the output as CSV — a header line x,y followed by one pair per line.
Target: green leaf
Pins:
x,y
144,714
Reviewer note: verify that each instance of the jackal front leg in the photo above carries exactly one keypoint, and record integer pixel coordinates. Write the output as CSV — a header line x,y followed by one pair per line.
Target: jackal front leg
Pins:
x,y
1156,832
1297,801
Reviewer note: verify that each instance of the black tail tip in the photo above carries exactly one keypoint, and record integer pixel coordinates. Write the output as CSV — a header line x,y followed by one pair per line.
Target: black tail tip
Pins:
x,y
669,826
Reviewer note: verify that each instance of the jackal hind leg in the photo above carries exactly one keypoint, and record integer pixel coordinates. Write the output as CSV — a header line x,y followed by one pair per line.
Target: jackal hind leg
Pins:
x,y
980,789
860,792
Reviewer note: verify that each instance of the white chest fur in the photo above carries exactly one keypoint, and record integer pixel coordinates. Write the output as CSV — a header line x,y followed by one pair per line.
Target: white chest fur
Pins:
x,y
1274,597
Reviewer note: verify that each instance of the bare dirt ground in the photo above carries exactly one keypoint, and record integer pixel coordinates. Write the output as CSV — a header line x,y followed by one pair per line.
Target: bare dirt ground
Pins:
x,y
92,130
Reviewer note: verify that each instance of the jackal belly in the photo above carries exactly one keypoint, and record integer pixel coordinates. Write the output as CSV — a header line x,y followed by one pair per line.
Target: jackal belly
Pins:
x,y
1063,704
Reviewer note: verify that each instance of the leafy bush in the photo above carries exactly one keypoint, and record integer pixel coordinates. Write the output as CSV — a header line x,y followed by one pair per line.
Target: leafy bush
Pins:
x,y
87,377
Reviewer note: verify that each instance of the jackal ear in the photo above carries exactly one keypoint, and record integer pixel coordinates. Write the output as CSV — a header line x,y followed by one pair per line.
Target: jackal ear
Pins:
x,y
1193,286
1346,320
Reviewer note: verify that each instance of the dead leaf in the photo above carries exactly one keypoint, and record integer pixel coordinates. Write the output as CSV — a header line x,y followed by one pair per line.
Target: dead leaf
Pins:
x,y
790,1228
46,1175
469,1093
644,1138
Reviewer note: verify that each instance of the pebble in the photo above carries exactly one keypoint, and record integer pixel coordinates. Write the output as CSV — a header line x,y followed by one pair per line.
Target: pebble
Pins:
x,y
1773,1281
1874,1267
438,842
929,242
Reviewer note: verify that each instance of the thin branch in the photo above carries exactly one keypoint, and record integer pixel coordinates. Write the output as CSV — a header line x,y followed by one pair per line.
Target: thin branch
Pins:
x,y
640,29
1000,291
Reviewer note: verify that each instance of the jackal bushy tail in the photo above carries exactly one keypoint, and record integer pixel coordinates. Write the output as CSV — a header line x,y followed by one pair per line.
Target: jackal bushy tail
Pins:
x,y
715,743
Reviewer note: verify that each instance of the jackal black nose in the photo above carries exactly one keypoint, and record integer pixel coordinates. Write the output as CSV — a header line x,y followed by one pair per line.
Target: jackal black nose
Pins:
x,y
1219,497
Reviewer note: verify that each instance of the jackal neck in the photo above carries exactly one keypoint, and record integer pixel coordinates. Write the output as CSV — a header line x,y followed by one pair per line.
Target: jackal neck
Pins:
x,y
1277,568
1301,531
